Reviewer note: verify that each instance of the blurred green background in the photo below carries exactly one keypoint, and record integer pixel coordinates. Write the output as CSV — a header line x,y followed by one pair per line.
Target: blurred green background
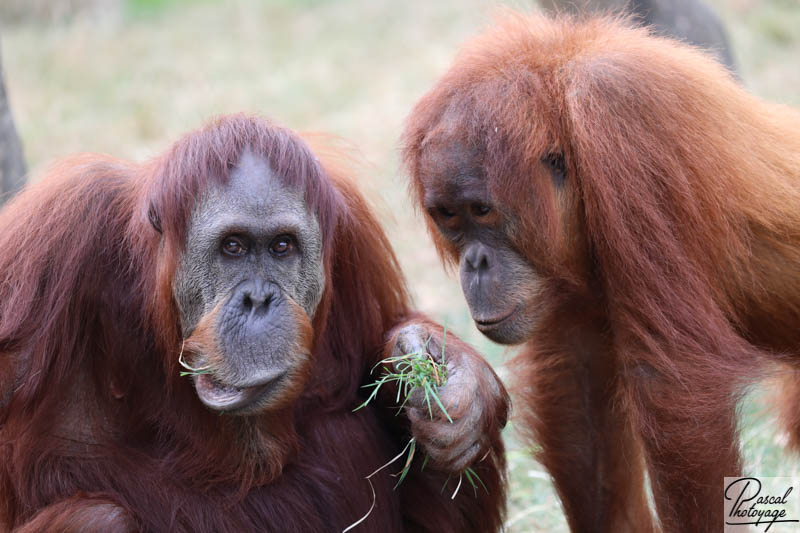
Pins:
x,y
126,77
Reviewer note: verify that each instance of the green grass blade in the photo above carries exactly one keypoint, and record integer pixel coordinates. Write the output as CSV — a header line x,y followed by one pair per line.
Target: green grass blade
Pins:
x,y
441,406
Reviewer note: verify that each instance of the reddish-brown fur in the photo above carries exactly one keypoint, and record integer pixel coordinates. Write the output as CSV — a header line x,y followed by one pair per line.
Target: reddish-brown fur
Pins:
x,y
95,421
670,257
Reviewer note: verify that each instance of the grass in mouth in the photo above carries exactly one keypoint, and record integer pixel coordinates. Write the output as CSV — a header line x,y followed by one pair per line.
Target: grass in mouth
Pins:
x,y
190,370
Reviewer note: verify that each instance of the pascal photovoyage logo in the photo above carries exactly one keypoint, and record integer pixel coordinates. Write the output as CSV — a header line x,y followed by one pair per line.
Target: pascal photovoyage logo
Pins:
x,y
762,504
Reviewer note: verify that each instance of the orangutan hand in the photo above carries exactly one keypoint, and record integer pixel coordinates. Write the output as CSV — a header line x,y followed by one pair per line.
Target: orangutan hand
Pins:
x,y
472,394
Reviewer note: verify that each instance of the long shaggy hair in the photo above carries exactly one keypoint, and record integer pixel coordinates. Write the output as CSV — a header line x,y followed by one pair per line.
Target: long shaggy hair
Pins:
x,y
678,222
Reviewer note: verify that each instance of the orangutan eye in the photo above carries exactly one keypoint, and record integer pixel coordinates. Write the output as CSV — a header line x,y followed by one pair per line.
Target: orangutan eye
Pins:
x,y
480,210
446,213
557,166
234,246
281,245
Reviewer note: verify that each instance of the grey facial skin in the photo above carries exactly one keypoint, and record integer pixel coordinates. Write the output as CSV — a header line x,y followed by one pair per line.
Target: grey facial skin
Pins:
x,y
501,286
253,261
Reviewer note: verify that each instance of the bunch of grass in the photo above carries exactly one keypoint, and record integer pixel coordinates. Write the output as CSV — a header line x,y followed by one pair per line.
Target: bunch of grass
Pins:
x,y
411,372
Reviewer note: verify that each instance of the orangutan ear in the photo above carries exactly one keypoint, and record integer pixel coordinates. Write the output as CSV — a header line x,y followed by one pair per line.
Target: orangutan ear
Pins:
x,y
154,218
554,161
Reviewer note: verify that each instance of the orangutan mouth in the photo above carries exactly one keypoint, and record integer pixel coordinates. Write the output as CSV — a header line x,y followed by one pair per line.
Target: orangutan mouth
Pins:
x,y
490,323
229,398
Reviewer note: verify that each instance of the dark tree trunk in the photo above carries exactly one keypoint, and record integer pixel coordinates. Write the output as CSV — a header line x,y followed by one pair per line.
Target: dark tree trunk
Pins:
x,y
12,162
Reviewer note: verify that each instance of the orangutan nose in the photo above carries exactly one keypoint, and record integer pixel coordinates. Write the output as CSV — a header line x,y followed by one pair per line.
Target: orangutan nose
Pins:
x,y
255,297
477,258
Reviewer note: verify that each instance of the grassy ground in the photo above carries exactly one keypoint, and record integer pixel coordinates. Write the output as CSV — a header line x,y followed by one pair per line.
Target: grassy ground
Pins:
x,y
127,77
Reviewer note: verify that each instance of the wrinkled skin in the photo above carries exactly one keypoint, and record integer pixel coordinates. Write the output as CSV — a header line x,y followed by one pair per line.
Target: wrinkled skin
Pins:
x,y
247,287
472,394
500,286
